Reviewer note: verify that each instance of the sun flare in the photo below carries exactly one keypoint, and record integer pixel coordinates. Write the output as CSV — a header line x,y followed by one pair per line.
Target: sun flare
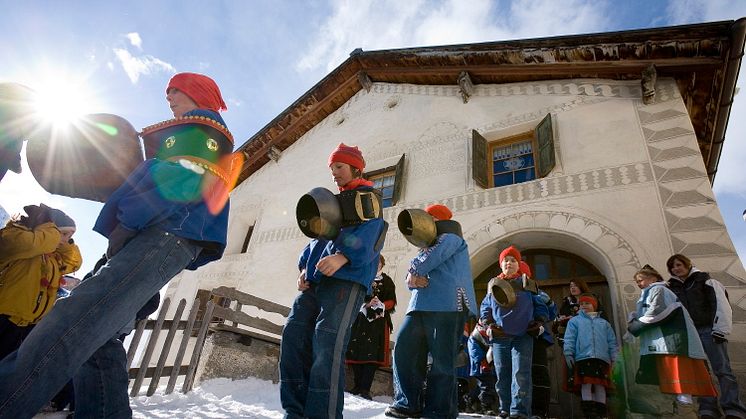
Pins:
x,y
62,100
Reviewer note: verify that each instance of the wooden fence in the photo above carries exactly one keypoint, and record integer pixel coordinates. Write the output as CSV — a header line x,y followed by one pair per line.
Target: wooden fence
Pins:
x,y
214,318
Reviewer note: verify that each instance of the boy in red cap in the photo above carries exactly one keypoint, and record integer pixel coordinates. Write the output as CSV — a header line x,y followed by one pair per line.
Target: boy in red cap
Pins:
x,y
335,275
512,330
152,238
442,301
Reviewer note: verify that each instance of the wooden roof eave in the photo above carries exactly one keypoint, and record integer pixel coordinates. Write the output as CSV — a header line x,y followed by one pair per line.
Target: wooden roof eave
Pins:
x,y
422,66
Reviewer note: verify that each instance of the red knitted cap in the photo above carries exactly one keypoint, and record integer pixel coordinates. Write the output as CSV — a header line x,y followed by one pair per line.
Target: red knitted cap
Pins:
x,y
510,251
590,299
441,212
201,89
347,154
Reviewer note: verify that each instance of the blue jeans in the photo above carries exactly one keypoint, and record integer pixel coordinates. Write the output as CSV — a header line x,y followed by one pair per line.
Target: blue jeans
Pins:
x,y
436,333
717,353
313,346
101,384
79,325
513,368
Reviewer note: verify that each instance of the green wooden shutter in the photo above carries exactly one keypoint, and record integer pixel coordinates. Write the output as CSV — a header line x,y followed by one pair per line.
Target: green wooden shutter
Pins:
x,y
398,180
544,136
479,159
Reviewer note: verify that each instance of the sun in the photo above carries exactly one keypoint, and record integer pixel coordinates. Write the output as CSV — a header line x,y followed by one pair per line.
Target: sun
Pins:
x,y
62,100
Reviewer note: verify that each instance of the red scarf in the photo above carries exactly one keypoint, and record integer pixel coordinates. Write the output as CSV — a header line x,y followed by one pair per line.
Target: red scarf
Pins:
x,y
355,183
505,277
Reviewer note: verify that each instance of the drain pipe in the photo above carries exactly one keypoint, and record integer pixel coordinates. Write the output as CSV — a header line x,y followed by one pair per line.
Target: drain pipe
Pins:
x,y
737,38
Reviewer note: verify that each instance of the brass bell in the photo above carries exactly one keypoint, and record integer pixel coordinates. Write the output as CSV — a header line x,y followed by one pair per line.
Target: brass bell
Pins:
x,y
417,226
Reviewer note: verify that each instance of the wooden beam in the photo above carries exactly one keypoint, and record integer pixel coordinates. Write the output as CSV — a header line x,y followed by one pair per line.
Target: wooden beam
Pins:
x,y
256,154
636,66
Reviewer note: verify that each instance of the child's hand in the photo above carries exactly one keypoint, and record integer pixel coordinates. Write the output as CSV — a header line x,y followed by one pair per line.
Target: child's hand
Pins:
x,y
570,360
416,281
302,283
329,265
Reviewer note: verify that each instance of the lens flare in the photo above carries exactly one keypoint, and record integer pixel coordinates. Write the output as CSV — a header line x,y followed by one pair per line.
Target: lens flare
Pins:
x,y
109,129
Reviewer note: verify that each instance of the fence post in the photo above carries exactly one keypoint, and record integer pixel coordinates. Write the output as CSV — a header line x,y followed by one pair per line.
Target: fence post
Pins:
x,y
189,380
166,348
145,361
182,347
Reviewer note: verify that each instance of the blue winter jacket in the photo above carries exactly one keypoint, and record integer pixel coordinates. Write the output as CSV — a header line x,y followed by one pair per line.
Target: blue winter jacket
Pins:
x,y
357,243
139,203
590,337
514,320
447,267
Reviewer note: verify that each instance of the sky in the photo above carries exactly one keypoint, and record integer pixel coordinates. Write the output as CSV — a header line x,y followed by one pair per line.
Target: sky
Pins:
x,y
117,57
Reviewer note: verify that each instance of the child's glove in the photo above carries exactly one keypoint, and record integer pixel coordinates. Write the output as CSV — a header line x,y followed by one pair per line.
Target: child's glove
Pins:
x,y
117,239
535,328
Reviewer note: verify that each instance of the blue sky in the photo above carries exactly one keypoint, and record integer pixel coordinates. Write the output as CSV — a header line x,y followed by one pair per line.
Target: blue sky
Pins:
x,y
118,56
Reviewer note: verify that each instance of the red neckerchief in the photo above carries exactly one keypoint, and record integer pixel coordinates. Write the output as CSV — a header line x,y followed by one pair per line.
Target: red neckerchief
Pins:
x,y
505,277
355,183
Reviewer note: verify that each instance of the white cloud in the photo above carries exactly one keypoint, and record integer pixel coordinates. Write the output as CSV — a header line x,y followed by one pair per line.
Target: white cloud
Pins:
x,y
135,39
393,24
137,66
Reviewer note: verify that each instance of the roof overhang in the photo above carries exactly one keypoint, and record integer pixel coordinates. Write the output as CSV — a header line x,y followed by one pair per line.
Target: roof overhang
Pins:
x,y
704,59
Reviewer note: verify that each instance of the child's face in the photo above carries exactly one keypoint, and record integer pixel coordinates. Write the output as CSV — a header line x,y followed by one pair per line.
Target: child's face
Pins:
x,y
586,306
341,173
509,265
66,233
179,102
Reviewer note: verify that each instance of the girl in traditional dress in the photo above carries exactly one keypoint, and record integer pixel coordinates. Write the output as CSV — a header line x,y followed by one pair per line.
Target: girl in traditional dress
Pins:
x,y
671,354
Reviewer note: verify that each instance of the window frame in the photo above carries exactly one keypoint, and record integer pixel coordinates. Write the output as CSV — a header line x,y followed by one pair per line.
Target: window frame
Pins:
x,y
398,171
522,137
543,151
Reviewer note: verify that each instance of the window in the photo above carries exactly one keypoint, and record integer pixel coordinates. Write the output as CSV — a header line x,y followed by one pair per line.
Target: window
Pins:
x,y
512,163
388,181
385,183
516,159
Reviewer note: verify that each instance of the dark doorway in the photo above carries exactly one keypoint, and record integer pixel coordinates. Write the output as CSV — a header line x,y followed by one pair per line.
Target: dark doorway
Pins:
x,y
553,270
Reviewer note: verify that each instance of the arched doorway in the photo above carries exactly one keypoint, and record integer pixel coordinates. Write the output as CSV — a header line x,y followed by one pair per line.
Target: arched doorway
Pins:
x,y
554,269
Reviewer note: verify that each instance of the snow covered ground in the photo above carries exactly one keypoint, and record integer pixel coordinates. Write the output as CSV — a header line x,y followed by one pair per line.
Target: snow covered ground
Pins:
x,y
223,398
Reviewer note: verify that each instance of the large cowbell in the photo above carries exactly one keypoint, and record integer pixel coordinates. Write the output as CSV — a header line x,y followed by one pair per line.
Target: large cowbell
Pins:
x,y
420,229
505,291
321,213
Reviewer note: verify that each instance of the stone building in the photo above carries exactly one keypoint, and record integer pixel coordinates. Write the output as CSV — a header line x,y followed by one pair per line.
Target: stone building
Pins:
x,y
593,154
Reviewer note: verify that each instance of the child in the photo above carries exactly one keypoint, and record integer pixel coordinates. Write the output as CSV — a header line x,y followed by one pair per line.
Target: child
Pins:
x,y
335,275
442,300
369,344
35,252
590,349
512,330
151,239
483,370
671,353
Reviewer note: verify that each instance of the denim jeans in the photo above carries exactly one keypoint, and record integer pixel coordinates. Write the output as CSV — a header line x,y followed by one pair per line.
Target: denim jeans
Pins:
x,y
101,384
436,333
79,325
513,368
313,347
717,353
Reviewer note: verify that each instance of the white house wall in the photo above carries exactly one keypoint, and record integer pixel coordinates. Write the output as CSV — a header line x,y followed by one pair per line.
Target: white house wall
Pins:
x,y
629,186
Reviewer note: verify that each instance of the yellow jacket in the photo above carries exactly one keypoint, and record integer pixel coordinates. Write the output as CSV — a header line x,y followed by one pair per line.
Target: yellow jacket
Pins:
x,y
32,261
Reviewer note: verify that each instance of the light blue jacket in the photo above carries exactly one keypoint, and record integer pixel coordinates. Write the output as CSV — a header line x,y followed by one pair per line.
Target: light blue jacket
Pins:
x,y
665,331
446,265
590,337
